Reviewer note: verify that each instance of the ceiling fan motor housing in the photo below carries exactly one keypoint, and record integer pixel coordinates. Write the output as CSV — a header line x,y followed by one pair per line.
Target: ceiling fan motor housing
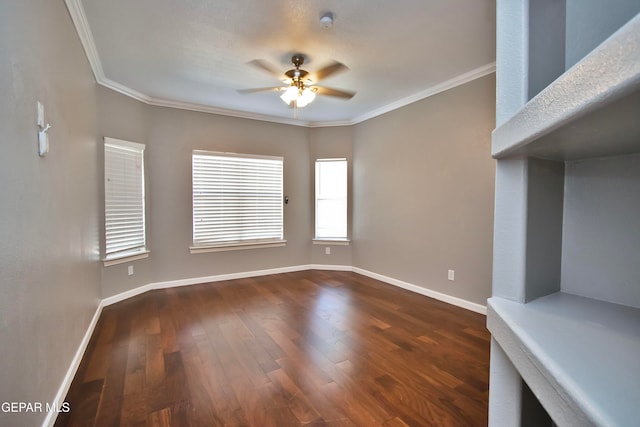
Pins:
x,y
297,74
297,60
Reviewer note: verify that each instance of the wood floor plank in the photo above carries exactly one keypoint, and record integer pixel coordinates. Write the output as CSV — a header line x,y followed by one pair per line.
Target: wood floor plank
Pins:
x,y
161,418
396,422
108,413
223,400
295,399
349,404
308,348
134,410
238,336
85,405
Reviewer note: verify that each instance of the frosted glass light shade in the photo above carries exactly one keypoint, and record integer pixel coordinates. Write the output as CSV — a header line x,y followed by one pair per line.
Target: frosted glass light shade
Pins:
x,y
289,95
300,97
306,97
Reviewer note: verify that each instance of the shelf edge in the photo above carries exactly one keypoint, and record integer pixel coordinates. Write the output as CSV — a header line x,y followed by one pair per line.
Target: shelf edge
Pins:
x,y
608,73
558,402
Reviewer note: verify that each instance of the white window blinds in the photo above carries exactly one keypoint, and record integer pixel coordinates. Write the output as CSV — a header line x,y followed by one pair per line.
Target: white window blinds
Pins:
x,y
331,199
237,199
124,197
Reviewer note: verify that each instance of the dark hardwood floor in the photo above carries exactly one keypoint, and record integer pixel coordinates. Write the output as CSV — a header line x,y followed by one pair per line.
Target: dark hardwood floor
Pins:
x,y
313,348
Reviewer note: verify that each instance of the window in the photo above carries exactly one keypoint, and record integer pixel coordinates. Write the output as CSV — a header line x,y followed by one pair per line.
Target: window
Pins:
x,y
124,205
331,199
237,201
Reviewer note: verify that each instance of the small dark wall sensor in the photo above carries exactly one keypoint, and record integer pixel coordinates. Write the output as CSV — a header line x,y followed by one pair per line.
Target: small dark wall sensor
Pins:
x,y
286,200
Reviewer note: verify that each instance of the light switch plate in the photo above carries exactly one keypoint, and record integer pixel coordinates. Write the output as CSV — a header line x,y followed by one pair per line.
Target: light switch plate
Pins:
x,y
40,115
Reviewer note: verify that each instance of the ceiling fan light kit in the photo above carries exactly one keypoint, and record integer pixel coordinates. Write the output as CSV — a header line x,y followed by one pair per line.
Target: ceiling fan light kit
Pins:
x,y
301,96
297,93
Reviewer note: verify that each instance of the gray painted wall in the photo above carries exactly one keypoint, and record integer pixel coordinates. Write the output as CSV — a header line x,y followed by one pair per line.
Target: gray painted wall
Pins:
x,y
123,118
590,22
423,192
326,143
442,170
49,251
528,228
601,232
512,58
546,43
510,229
170,136
545,186
173,134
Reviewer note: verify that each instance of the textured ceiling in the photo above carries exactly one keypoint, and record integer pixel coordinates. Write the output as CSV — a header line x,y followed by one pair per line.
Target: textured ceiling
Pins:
x,y
194,53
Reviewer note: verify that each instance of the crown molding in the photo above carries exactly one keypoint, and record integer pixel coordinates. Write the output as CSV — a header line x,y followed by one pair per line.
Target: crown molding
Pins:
x,y
159,102
467,77
327,124
434,90
79,19
125,90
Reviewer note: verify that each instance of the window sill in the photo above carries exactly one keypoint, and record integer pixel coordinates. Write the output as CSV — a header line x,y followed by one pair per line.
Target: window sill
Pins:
x,y
125,257
236,246
336,242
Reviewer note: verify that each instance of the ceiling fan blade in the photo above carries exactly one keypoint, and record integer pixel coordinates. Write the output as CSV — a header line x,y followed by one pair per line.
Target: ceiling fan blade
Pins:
x,y
262,89
329,70
266,66
327,91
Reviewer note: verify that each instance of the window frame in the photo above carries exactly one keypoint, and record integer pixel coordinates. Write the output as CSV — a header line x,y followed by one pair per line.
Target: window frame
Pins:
x,y
338,240
239,243
137,251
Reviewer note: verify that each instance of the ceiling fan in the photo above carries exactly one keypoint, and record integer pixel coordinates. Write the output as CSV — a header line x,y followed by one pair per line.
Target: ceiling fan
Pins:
x,y
300,87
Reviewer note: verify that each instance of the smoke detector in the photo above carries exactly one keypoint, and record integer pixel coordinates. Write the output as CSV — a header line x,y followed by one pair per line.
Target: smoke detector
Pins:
x,y
326,21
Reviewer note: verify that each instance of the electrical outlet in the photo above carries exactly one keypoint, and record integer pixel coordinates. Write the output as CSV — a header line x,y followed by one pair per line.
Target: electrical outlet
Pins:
x,y
130,270
327,251
451,275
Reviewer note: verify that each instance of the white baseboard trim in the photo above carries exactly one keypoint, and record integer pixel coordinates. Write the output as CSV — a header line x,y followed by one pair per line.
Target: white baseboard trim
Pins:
x,y
329,267
424,291
127,294
230,276
50,420
459,302
197,280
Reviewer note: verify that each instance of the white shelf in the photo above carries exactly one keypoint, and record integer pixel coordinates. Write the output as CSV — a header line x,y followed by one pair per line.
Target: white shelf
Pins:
x,y
592,110
580,356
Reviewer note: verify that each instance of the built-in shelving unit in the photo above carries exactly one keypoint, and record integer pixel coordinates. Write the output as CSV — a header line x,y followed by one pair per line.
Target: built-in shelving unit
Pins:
x,y
579,355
